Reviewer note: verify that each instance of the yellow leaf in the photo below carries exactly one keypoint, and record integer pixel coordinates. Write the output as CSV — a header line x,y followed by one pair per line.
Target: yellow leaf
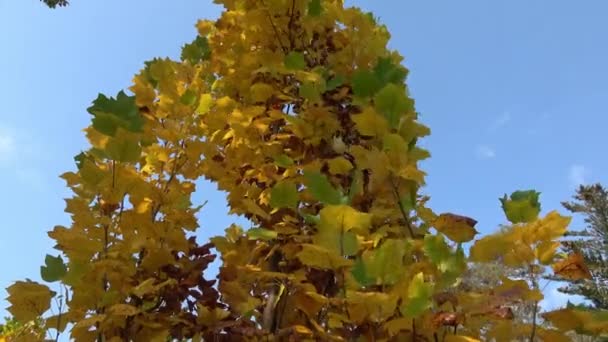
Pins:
x,y
260,92
545,251
302,330
370,123
457,228
564,319
29,300
373,306
344,217
339,166
460,338
204,104
252,207
315,256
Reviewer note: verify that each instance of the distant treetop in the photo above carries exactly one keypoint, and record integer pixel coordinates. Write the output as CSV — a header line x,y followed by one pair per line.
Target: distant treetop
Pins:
x,y
55,3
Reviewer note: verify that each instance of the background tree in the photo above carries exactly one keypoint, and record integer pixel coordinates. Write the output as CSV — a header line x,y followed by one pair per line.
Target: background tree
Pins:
x,y
55,3
590,201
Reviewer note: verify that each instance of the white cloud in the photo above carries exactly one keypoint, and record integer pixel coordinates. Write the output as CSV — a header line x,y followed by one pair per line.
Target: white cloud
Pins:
x,y
485,152
578,175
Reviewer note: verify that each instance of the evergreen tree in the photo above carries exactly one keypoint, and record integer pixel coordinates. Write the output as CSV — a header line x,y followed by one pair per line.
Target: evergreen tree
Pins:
x,y
592,243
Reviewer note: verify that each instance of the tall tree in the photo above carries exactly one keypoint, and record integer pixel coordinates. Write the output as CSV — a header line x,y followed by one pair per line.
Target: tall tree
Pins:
x,y
300,112
591,201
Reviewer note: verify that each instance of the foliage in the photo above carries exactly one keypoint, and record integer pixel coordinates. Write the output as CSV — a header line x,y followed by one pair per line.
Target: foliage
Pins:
x,y
299,112
591,201
55,3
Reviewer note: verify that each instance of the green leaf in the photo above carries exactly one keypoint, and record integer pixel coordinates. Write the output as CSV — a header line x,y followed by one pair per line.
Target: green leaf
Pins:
x,y
196,51
384,264
355,186
335,82
321,189
436,248
312,219
109,114
315,8
419,297
392,102
283,160
311,91
261,234
54,268
80,159
388,72
365,83
123,148
359,272
284,195
295,61
522,206
337,227
188,98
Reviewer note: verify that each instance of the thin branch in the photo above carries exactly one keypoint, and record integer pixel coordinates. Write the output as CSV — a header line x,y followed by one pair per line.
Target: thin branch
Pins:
x,y
274,28
400,203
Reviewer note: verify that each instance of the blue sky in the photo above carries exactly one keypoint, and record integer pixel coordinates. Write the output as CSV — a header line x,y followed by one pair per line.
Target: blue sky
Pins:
x,y
512,90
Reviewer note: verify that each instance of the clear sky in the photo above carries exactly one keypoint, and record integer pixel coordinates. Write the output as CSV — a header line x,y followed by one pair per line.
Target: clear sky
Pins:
x,y
514,92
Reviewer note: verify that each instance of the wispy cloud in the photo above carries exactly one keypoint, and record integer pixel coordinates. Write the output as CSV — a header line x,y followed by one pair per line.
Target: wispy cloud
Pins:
x,y
20,157
578,174
500,121
485,152
7,145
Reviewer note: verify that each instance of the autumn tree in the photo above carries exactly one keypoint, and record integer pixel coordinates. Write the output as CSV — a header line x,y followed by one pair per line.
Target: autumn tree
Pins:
x,y
299,111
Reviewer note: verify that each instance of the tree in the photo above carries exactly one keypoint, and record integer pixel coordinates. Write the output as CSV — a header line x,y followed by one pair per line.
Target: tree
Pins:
x,y
591,201
55,3
299,112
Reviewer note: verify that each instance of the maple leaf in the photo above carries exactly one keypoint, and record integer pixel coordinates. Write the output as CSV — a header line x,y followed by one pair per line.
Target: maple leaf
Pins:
x,y
110,114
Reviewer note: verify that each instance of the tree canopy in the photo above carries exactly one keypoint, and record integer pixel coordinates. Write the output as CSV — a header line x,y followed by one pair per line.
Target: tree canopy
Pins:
x,y
299,111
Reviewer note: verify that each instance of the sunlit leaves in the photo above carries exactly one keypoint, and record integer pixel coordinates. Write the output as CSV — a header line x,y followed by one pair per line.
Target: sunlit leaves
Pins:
x,y
54,268
204,104
302,116
111,113
521,206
